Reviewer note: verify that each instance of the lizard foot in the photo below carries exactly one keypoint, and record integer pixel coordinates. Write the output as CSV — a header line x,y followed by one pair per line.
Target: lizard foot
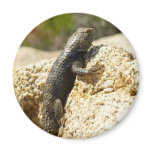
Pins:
x,y
96,69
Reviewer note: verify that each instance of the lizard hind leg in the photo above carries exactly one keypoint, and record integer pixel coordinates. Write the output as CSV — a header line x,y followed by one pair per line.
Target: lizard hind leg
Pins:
x,y
58,110
49,121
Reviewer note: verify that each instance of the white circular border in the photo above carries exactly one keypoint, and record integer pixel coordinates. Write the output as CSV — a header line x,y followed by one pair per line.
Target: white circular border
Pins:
x,y
17,132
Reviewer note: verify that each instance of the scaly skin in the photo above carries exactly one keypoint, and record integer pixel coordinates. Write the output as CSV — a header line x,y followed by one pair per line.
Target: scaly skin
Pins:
x,y
61,78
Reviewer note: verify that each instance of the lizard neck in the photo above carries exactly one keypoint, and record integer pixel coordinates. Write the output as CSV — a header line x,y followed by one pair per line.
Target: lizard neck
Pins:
x,y
68,57
73,54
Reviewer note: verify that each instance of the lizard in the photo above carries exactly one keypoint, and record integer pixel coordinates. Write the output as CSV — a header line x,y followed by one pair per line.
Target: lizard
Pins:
x,y
62,75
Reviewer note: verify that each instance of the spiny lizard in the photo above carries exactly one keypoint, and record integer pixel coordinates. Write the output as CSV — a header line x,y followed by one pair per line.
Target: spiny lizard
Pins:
x,y
61,78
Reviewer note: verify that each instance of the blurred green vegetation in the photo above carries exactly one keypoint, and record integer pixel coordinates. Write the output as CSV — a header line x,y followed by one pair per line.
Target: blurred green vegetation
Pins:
x,y
62,22
53,33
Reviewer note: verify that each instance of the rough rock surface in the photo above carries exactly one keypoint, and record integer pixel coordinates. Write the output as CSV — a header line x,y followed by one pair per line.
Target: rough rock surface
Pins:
x,y
29,84
118,40
97,102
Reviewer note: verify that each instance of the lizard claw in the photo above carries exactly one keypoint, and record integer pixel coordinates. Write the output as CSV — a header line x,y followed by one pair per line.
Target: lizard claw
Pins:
x,y
93,70
96,69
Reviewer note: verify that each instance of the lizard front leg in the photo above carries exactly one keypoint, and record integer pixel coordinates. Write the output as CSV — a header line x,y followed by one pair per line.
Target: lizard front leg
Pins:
x,y
77,68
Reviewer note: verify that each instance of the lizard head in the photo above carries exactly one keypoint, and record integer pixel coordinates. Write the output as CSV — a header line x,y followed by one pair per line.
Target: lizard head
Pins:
x,y
80,40
85,36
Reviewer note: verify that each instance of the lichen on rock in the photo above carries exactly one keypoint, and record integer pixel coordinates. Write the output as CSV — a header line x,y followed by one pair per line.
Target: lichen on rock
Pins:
x,y
97,101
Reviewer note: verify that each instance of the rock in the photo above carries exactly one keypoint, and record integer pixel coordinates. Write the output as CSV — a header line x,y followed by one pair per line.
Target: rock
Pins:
x,y
29,84
118,40
97,101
